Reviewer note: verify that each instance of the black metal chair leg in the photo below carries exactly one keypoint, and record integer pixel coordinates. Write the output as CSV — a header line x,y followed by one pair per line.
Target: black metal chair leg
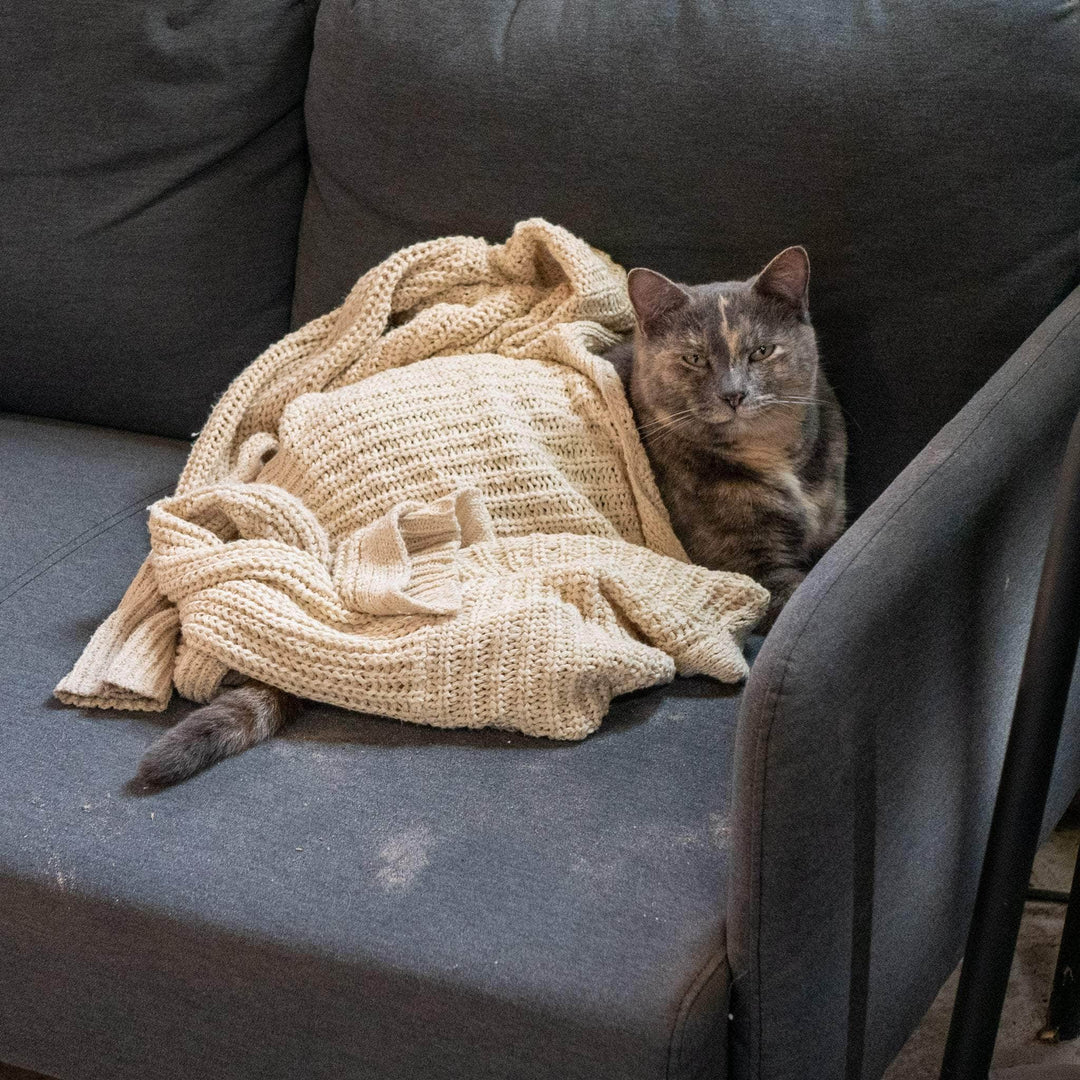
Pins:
x,y
1025,783
1063,1015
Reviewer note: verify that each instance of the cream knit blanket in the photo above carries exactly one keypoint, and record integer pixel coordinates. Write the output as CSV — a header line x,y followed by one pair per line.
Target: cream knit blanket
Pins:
x,y
430,504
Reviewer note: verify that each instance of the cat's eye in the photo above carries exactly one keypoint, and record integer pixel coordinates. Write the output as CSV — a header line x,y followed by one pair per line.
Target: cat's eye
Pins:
x,y
762,352
693,359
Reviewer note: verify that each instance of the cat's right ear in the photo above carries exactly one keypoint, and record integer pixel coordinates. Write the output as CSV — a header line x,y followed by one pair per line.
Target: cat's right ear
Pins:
x,y
654,298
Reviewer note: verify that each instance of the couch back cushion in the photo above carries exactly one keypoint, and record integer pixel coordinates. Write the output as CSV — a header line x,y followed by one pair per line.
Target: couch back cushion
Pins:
x,y
926,155
151,182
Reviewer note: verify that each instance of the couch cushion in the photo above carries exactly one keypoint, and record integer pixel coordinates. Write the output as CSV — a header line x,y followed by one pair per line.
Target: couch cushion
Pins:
x,y
359,897
151,181
63,484
700,139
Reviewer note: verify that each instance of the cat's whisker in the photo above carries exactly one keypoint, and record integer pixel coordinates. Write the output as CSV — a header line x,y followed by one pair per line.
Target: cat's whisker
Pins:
x,y
669,416
813,401
647,436
677,417
659,426
668,427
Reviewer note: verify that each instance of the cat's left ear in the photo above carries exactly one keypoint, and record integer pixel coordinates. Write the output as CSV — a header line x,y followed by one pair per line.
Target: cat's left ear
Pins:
x,y
787,278
654,298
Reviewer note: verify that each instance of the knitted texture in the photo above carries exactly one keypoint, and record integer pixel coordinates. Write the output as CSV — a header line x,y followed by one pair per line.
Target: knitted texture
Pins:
x,y
430,504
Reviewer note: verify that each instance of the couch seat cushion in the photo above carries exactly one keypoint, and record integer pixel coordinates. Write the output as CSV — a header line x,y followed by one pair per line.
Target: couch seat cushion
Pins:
x,y
359,897
62,485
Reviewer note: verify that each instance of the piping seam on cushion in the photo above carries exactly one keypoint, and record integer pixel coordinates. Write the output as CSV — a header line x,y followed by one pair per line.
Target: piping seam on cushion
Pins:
x,y
58,555
715,963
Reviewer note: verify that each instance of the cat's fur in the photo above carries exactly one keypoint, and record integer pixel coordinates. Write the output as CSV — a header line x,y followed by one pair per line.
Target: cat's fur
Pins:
x,y
235,720
757,488
753,484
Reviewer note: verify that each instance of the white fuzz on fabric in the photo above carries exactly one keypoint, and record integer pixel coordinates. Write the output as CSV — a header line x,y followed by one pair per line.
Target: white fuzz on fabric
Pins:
x,y
430,504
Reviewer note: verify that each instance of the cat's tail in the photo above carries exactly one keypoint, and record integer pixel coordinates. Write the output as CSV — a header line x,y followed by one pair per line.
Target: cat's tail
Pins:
x,y
235,720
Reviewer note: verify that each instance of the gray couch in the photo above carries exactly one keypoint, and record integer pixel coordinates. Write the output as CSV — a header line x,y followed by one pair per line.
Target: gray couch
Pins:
x,y
768,883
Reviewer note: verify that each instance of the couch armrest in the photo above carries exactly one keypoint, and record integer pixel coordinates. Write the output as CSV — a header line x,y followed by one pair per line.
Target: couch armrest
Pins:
x,y
873,728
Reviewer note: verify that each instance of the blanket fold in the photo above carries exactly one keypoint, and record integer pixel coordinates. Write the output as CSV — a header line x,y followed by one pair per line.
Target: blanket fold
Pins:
x,y
403,563
431,504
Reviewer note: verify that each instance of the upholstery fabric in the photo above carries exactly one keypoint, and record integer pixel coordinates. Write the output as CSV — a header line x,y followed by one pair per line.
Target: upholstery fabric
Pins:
x,y
873,730
895,141
357,898
150,187
94,480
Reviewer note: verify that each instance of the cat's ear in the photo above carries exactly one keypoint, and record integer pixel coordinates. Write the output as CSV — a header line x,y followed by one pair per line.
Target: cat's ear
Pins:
x,y
654,298
787,278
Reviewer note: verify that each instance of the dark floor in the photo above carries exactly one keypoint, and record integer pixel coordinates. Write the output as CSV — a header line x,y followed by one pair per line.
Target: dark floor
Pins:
x,y
1029,986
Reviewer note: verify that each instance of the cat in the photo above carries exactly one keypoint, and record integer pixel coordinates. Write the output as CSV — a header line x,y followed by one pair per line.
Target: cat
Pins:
x,y
743,431
744,435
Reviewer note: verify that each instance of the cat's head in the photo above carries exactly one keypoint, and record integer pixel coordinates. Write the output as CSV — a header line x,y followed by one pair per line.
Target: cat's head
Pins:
x,y
724,362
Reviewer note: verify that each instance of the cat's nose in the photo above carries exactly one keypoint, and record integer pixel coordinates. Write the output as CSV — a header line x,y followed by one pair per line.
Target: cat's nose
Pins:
x,y
735,400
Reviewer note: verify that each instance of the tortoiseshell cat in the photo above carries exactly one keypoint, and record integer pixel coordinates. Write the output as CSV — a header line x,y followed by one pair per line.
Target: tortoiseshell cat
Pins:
x,y
745,437
744,434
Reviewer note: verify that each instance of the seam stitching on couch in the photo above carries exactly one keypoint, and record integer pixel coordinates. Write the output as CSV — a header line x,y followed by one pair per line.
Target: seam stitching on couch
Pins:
x,y
701,980
58,555
759,815
775,697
